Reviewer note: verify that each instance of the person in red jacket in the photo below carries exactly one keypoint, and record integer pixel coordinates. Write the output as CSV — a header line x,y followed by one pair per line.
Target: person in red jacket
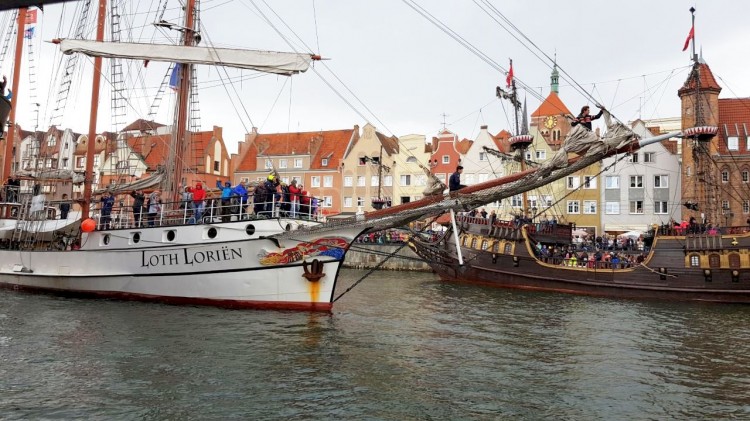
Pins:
x,y
294,193
304,201
199,195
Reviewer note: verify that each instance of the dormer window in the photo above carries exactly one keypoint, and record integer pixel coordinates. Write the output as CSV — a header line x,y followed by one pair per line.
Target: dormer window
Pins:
x,y
324,162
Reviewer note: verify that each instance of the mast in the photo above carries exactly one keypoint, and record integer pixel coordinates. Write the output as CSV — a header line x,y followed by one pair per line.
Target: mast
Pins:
x,y
91,145
177,152
11,135
521,140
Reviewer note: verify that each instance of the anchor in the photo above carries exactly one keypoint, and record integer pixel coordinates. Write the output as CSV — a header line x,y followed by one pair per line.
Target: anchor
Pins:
x,y
313,271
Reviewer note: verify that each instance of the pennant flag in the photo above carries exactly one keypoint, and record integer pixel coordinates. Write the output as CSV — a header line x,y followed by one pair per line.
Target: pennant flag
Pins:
x,y
30,16
174,80
28,33
691,36
509,78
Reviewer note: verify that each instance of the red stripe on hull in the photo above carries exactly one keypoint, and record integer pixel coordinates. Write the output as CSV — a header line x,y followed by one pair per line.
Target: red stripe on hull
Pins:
x,y
210,302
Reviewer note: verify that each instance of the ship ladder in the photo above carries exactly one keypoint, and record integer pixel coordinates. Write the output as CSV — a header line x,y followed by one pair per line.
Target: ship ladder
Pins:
x,y
21,222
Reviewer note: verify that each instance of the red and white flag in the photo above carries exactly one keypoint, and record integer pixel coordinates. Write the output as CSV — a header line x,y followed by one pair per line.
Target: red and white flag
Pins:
x,y
31,16
691,36
509,78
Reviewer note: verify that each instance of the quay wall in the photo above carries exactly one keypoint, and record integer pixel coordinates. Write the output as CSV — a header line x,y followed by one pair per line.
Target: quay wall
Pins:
x,y
367,256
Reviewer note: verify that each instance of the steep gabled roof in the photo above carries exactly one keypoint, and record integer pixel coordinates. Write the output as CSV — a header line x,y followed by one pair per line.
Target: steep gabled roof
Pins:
x,y
390,144
501,141
463,146
158,150
142,126
552,105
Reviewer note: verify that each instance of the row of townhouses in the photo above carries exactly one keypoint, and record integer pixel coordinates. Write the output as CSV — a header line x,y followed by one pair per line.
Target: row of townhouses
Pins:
x,y
356,169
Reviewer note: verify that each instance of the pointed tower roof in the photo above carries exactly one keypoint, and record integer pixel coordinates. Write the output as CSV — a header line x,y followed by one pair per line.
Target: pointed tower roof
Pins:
x,y
705,76
552,105
555,78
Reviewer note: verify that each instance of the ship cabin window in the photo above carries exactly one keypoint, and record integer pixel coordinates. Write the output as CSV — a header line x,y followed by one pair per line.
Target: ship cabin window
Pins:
x,y
714,260
463,241
485,245
496,247
734,261
695,261
508,248
135,238
473,243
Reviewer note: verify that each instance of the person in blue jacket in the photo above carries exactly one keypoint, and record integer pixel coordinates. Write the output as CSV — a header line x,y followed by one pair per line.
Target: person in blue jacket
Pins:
x,y
241,194
226,199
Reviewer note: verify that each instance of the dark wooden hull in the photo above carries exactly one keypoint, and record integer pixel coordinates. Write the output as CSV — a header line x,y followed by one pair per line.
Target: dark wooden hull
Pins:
x,y
665,274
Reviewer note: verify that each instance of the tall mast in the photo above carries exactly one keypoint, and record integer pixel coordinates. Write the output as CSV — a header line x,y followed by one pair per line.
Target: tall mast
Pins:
x,y
91,145
10,136
180,135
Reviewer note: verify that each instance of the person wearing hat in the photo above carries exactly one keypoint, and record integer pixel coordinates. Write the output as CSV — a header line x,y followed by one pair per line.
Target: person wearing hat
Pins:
x,y
454,183
270,190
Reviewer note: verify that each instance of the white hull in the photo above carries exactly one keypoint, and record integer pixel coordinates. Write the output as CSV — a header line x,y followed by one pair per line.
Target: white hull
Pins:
x,y
232,269
44,230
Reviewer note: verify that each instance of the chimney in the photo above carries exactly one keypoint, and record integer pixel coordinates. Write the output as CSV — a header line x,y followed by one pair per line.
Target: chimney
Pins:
x,y
483,127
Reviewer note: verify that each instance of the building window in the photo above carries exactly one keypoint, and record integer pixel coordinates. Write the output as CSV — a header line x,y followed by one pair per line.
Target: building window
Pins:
x,y
636,181
360,201
51,141
573,182
661,181
695,260
374,180
633,158
689,171
482,156
532,202
636,207
327,201
347,202
589,182
65,162
725,204
516,201
745,176
746,206
649,157
724,176
733,143
315,181
660,207
282,163
405,180
547,201
612,208
446,159
589,207
297,162
217,165
324,162
612,182
574,206
541,155
388,181
360,181
348,181
327,181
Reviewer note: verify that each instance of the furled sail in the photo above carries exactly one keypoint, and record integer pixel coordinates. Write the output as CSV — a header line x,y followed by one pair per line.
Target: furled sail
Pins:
x,y
50,175
261,61
142,184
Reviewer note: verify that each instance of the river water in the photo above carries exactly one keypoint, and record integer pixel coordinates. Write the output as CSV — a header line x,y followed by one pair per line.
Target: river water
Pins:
x,y
399,346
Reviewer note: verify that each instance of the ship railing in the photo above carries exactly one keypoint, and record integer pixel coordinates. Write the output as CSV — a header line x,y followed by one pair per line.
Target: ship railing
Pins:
x,y
588,264
214,210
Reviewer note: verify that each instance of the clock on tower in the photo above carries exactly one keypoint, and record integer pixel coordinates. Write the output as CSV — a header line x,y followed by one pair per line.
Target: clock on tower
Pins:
x,y
550,121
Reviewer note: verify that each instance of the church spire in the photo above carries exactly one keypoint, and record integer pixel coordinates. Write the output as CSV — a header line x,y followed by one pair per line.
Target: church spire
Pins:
x,y
555,78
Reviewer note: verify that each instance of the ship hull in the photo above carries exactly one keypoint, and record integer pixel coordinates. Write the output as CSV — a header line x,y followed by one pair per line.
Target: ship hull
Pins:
x,y
236,265
719,274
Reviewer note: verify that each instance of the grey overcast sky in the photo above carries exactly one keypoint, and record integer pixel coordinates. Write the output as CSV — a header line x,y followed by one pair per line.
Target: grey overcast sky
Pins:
x,y
406,73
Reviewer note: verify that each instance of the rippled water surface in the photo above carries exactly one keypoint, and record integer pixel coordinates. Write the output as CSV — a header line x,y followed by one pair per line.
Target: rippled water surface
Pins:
x,y
400,346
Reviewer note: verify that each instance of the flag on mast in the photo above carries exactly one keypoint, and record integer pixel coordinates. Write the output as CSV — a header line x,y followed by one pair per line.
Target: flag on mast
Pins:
x,y
509,78
691,36
174,79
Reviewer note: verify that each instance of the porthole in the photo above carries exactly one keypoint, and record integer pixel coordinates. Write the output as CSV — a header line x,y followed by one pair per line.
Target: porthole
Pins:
x,y
105,239
171,235
211,233
250,229
288,227
136,238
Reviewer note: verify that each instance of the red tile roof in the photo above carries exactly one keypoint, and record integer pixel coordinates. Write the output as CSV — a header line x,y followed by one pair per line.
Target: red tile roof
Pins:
x,y
329,144
501,141
552,105
707,80
142,125
734,116
463,146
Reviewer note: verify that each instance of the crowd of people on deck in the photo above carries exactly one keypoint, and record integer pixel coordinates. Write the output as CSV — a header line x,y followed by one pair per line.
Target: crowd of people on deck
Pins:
x,y
599,258
269,198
